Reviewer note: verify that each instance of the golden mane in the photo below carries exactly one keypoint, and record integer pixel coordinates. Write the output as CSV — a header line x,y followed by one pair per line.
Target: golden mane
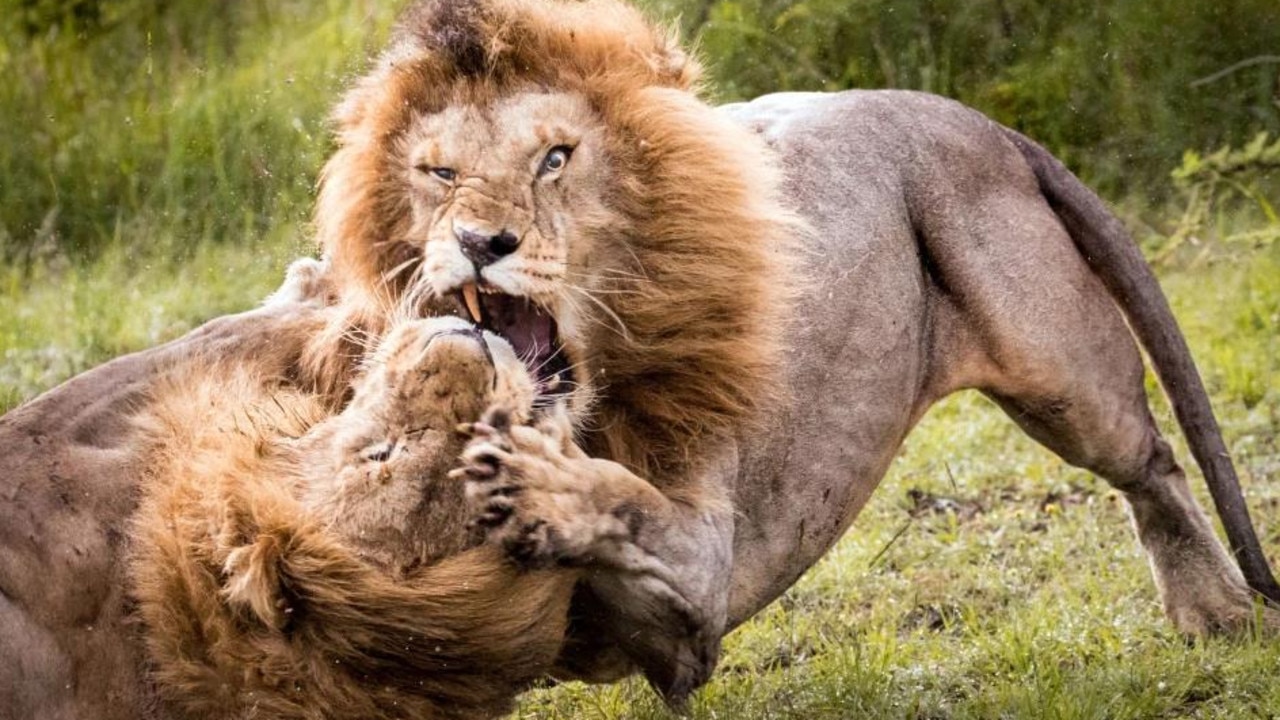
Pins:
x,y
701,260
254,606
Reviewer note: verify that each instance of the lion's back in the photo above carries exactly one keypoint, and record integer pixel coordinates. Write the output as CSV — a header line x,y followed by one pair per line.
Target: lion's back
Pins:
x,y
69,485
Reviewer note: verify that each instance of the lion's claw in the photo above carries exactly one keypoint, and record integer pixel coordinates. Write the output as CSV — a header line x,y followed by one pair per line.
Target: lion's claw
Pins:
x,y
495,513
529,544
527,492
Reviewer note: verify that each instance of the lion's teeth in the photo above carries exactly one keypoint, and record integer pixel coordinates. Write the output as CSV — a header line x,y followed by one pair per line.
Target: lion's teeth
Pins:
x,y
472,297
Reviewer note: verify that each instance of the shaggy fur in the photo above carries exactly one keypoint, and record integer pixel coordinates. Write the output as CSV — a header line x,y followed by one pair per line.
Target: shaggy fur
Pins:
x,y
290,564
946,252
681,345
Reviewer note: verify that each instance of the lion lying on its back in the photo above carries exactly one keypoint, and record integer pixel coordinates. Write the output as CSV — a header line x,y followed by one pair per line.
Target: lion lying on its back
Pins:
x,y
291,564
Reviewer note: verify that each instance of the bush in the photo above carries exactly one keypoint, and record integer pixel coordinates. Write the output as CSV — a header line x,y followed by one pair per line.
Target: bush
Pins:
x,y
1109,85
1219,190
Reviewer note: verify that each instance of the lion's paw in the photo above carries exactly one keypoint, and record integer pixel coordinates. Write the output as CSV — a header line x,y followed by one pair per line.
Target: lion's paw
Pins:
x,y
306,282
1222,610
529,490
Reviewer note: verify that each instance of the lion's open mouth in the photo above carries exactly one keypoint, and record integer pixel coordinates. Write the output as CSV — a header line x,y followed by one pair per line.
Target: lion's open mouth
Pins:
x,y
530,329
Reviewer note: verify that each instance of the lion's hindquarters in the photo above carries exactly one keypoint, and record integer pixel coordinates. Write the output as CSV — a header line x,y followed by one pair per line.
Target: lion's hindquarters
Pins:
x,y
1029,263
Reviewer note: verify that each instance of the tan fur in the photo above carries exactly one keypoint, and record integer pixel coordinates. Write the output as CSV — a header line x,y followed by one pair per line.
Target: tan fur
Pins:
x,y
281,571
945,253
679,338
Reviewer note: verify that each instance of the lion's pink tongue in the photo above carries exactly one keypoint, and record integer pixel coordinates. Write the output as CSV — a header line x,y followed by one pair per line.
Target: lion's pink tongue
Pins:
x,y
527,327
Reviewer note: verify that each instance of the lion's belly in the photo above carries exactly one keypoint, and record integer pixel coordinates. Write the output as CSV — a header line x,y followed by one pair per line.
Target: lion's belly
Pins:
x,y
858,349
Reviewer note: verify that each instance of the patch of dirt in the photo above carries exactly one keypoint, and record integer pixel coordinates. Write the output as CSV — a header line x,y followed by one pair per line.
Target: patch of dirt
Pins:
x,y
930,618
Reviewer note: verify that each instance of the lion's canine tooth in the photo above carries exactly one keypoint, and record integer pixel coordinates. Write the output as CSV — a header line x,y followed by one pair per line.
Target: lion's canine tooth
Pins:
x,y
472,298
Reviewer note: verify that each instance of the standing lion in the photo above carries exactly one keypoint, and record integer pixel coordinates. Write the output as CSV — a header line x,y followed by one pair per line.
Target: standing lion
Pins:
x,y
748,308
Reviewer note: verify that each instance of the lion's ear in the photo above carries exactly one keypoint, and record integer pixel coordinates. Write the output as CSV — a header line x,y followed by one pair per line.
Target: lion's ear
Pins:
x,y
674,64
306,281
252,581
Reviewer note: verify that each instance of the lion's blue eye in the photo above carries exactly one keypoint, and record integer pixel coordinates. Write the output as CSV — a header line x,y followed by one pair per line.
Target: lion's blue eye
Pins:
x,y
555,160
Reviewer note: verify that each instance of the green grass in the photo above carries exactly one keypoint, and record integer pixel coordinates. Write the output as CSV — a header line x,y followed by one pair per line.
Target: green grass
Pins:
x,y
157,167
178,121
63,318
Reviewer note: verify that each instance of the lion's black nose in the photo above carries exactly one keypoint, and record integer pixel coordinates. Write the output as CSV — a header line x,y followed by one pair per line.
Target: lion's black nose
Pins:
x,y
484,250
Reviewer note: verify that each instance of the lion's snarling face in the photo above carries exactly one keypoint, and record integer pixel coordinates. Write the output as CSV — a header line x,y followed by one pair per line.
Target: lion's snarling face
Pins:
x,y
546,169
500,197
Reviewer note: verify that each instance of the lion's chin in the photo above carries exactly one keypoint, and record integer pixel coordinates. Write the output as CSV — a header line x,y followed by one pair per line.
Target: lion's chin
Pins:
x,y
533,333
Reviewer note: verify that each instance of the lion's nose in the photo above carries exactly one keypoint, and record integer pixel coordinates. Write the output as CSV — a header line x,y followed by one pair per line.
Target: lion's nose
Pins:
x,y
484,250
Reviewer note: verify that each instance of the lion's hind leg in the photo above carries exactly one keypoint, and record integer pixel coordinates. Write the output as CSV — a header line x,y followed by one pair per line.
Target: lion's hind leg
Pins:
x,y
1200,585
1021,315
1077,388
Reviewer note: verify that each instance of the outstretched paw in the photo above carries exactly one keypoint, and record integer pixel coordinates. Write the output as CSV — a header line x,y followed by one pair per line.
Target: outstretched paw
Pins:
x,y
489,487
529,490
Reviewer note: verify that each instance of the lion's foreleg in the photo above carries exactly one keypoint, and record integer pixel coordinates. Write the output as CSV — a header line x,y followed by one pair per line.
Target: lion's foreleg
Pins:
x,y
658,565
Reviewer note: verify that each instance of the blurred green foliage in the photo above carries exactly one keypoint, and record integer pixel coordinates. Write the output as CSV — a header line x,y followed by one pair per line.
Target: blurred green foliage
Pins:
x,y
1233,174
1109,85
183,121
167,121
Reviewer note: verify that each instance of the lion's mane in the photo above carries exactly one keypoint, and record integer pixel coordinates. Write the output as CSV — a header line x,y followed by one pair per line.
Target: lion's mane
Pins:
x,y
700,270
254,607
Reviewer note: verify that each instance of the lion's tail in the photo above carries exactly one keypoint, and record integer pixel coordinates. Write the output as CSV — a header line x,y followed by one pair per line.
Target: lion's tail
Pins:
x,y
1115,258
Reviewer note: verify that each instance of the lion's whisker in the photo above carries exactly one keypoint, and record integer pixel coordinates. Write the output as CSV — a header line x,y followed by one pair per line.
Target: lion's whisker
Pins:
x,y
622,274
621,328
391,274
360,337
